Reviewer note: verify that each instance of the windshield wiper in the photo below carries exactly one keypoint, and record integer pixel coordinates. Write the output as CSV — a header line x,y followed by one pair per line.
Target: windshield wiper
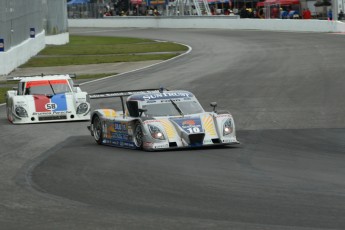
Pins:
x,y
177,108
52,88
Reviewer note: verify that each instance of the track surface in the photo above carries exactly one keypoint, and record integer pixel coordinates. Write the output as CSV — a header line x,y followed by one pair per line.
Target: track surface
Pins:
x,y
286,92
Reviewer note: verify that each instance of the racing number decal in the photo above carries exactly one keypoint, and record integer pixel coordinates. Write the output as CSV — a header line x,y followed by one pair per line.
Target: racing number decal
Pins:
x,y
193,130
51,106
189,125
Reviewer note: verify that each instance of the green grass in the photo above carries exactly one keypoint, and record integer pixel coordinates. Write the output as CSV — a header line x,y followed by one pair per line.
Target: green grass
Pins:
x,y
8,82
83,50
3,91
112,49
95,40
83,60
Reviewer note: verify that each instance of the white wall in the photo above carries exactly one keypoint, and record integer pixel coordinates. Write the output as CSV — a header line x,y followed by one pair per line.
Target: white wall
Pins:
x,y
221,22
59,39
19,54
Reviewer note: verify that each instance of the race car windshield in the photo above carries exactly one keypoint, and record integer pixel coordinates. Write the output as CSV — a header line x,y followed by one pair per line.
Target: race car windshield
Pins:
x,y
47,88
168,109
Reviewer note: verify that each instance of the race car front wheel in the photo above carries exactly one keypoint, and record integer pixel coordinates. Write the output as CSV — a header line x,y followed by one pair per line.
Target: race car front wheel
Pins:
x,y
97,130
138,135
9,114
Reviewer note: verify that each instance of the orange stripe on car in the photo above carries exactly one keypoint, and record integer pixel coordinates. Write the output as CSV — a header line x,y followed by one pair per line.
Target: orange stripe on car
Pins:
x,y
208,123
169,128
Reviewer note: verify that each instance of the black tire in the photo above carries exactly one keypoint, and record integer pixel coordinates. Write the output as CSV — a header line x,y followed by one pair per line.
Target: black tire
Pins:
x,y
97,129
9,114
138,135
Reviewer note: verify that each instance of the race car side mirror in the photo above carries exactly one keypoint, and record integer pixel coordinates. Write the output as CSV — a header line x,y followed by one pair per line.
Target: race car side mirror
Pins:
x,y
141,111
214,105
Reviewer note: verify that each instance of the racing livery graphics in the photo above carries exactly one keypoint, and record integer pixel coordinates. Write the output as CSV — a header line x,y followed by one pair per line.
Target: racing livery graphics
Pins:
x,y
153,119
48,98
56,103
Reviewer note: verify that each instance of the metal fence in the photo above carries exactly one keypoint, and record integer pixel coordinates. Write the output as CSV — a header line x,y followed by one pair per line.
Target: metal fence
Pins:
x,y
88,10
54,16
19,17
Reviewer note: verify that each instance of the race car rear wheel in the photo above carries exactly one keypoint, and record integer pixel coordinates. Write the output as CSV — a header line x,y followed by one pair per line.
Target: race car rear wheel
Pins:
x,y
97,130
138,135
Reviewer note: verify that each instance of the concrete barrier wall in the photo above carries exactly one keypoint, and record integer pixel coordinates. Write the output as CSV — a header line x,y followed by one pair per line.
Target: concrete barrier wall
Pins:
x,y
59,39
21,53
220,22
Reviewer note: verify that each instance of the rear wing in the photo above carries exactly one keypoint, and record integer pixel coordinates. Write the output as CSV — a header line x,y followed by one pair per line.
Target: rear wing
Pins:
x,y
123,93
18,78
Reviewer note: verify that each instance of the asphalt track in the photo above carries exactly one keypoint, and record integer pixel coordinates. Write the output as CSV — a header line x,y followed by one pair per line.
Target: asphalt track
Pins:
x,y
286,92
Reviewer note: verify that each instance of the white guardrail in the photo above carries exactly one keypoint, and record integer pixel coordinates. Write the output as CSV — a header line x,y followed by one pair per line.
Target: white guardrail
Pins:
x,y
18,55
220,22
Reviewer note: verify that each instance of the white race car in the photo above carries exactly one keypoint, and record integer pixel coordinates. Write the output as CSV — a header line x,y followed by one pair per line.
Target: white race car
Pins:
x,y
49,98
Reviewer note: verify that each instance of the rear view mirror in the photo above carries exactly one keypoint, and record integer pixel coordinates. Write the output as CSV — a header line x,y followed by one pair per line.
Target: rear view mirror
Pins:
x,y
214,105
141,111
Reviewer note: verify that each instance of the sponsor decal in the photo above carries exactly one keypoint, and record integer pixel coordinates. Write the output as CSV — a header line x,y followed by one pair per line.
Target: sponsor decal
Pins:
x,y
189,125
2,45
151,121
230,140
188,122
169,100
32,33
52,113
119,126
120,136
125,144
118,131
155,145
166,95
160,146
119,94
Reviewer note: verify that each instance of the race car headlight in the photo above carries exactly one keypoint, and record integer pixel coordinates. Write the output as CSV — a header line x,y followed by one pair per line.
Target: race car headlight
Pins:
x,y
227,127
156,133
21,112
82,108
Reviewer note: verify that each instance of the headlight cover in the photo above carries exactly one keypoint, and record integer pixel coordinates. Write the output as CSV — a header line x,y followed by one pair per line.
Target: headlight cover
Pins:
x,y
228,127
21,112
156,133
82,108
